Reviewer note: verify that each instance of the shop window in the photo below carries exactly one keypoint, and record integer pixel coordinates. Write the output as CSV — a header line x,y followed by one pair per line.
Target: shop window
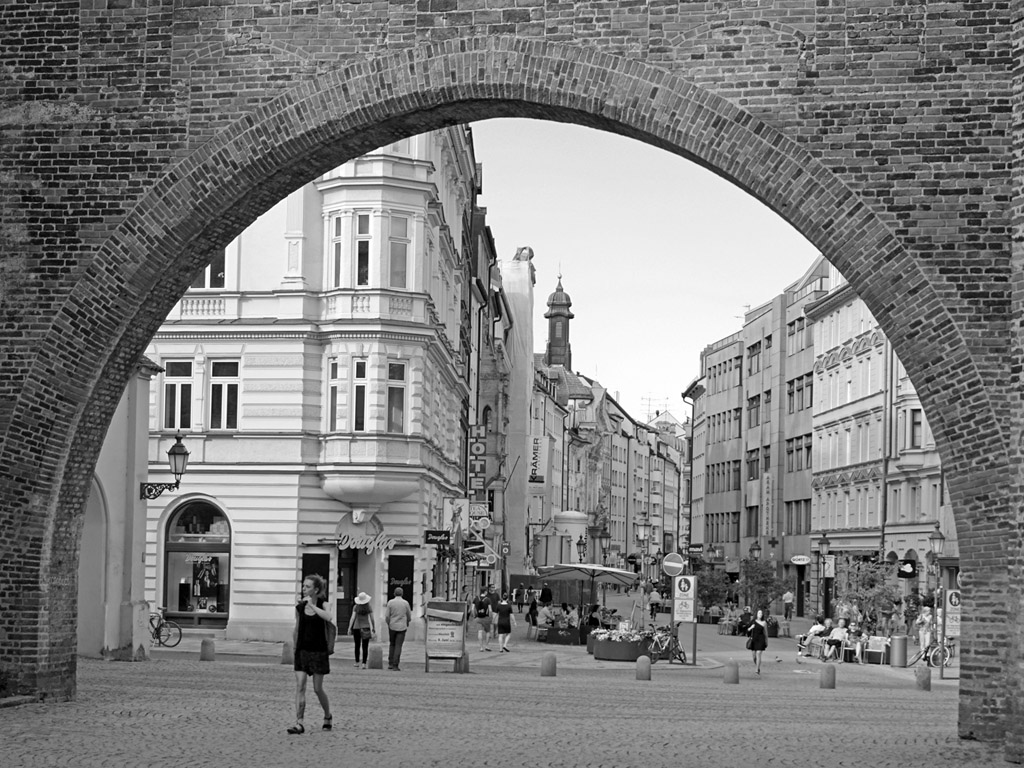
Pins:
x,y
197,565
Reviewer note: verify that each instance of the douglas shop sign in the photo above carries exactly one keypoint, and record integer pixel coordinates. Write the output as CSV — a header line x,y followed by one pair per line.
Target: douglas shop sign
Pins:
x,y
370,543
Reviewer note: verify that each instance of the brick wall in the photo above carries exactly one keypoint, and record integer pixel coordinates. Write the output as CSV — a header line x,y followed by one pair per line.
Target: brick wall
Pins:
x,y
137,137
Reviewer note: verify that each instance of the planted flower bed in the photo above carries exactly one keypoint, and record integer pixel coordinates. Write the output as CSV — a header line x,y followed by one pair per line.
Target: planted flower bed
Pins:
x,y
620,645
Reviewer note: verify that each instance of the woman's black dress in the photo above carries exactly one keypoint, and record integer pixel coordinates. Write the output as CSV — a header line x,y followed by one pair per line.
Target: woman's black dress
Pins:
x,y
311,645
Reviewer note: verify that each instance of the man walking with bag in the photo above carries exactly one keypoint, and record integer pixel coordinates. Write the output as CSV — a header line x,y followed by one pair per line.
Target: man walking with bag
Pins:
x,y
397,615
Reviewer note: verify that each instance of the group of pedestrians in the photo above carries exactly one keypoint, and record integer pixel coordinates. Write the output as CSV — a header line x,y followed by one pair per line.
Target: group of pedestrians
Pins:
x,y
310,641
493,617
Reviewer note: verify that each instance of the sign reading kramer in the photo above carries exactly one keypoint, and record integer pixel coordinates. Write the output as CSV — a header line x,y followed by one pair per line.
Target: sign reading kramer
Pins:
x,y
685,598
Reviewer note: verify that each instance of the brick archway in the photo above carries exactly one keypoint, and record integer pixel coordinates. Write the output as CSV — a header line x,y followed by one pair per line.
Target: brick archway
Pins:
x,y
197,204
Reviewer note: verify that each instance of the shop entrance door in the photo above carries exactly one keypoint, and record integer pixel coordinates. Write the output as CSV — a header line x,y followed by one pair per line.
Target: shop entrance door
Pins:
x,y
347,590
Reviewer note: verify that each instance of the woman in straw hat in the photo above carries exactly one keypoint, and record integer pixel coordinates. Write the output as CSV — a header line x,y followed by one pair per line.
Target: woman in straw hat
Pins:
x,y
362,627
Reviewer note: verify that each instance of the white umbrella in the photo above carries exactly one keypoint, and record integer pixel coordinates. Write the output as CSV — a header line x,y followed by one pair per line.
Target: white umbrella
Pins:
x,y
596,574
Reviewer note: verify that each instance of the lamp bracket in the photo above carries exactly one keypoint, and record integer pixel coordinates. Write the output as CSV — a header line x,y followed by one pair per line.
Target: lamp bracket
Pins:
x,y
153,490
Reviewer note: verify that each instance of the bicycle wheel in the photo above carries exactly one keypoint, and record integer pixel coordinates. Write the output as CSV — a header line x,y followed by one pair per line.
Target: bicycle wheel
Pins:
x,y
657,649
939,655
676,652
170,634
915,658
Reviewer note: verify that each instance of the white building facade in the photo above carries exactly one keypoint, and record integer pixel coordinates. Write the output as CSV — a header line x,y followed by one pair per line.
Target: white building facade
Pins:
x,y
323,373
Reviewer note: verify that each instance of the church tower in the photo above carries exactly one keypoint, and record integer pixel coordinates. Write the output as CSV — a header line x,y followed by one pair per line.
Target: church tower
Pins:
x,y
559,351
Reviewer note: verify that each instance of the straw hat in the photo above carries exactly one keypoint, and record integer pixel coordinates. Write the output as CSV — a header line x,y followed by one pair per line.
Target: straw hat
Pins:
x,y
362,598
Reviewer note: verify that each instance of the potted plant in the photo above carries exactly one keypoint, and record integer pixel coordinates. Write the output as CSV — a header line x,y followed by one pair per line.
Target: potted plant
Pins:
x,y
621,644
773,626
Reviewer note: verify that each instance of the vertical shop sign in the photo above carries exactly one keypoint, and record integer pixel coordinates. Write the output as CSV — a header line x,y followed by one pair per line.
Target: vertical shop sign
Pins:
x,y
538,459
400,571
477,459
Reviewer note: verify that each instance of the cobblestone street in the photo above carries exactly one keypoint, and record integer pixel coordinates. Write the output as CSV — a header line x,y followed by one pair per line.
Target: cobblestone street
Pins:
x,y
176,710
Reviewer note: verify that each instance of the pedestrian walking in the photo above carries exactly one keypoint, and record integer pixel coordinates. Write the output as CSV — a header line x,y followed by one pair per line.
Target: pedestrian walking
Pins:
x,y
531,619
397,615
520,595
787,605
655,603
309,639
758,638
506,620
482,615
362,627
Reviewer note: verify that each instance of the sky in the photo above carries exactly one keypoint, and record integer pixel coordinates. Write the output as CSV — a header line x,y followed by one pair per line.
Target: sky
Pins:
x,y
659,256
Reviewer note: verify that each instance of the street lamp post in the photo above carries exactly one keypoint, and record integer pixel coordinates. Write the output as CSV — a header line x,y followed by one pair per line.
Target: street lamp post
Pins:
x,y
602,541
642,529
826,581
581,548
937,542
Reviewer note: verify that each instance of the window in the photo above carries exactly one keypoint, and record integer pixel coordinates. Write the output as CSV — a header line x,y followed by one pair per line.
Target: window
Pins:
x,y
399,252
224,394
753,465
332,396
766,455
916,425
791,396
396,397
198,565
359,395
754,411
337,252
753,521
767,411
362,250
177,394
754,357
212,276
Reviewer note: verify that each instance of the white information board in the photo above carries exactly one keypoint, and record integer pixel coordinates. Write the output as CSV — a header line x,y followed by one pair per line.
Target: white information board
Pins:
x,y
684,598
952,613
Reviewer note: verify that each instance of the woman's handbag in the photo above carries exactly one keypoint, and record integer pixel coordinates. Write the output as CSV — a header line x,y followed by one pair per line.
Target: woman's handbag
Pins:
x,y
750,642
332,635
366,633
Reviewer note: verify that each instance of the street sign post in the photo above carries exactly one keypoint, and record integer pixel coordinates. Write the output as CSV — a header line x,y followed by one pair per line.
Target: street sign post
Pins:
x,y
684,602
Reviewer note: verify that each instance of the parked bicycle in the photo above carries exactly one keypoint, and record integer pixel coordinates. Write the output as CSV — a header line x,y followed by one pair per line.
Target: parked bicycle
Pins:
x,y
165,633
935,653
665,645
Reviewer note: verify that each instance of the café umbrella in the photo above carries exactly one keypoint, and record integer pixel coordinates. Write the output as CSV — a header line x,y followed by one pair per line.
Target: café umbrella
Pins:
x,y
596,574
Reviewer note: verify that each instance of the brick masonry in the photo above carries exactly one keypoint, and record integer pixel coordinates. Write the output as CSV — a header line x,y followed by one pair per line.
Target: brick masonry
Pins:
x,y
139,136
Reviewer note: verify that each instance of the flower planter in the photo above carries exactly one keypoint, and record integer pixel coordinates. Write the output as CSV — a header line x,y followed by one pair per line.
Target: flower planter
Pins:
x,y
620,650
773,630
569,636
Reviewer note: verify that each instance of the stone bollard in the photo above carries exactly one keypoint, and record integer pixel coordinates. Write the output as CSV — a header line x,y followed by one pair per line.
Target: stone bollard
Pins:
x,y
207,652
375,657
287,653
828,677
923,678
732,672
548,665
643,668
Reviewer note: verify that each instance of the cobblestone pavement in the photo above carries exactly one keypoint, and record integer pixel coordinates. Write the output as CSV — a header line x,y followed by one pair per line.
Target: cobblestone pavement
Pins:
x,y
176,710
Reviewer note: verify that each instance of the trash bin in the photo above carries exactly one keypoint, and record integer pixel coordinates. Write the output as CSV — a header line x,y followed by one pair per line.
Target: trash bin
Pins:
x,y
898,651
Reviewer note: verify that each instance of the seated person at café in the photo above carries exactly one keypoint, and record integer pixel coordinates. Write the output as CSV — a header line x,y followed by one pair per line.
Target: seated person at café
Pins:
x,y
573,616
803,642
856,639
744,621
834,641
594,619
545,617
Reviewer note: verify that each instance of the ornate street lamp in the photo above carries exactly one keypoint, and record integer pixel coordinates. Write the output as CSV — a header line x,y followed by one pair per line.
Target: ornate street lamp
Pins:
x,y
603,539
755,551
581,548
177,457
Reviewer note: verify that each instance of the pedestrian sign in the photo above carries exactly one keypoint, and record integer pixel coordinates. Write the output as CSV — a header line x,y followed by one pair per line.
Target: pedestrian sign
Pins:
x,y
684,590
952,613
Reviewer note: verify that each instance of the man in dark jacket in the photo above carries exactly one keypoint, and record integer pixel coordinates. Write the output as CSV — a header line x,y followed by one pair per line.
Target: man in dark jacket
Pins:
x,y
545,595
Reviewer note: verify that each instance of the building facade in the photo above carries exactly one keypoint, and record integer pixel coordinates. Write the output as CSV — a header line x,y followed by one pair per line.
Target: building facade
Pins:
x,y
326,373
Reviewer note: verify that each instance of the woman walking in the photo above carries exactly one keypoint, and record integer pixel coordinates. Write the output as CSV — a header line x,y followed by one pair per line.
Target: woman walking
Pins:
x,y
362,627
309,639
758,632
505,623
